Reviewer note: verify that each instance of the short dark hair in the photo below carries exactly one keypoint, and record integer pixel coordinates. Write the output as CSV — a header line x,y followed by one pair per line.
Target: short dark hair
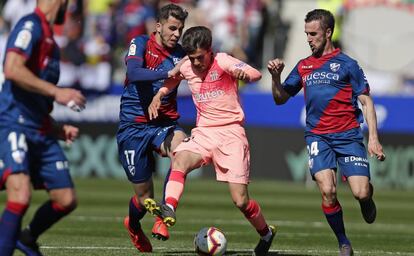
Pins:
x,y
325,17
172,10
195,38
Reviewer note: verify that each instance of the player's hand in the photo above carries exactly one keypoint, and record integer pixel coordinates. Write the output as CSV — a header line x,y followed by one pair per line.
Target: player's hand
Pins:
x,y
275,67
71,98
241,75
375,149
176,70
69,133
153,107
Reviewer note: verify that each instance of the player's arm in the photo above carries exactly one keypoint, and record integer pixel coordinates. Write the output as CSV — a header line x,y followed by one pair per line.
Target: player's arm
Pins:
x,y
136,72
16,71
65,132
238,69
275,68
374,146
169,85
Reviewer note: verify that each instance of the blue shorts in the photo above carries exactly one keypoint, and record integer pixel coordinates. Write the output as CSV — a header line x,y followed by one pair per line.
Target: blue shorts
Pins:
x,y
136,146
345,150
27,151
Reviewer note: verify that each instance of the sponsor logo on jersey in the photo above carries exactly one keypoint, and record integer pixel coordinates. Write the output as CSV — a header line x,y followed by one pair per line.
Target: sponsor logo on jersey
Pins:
x,y
132,49
207,96
357,161
23,39
62,165
307,67
317,78
28,25
214,75
335,66
240,65
153,54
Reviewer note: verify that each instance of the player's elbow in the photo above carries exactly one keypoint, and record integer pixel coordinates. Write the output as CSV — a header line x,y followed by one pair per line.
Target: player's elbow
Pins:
x,y
256,76
279,101
10,72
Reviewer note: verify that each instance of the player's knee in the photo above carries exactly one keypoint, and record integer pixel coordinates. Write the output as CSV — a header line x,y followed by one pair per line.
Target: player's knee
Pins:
x,y
180,162
362,194
20,197
241,203
329,192
66,202
67,205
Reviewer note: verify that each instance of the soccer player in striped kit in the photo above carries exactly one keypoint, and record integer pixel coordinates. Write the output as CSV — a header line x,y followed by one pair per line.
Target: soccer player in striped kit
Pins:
x,y
150,60
219,137
29,150
333,84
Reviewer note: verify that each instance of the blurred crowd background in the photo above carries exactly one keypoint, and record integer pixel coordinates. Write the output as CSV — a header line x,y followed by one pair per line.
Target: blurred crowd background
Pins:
x,y
377,33
96,34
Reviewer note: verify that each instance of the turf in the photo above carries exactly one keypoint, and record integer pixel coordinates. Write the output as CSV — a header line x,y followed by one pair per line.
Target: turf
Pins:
x,y
96,228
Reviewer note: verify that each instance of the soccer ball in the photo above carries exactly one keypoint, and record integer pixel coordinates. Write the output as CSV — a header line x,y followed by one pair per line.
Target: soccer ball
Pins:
x,y
210,241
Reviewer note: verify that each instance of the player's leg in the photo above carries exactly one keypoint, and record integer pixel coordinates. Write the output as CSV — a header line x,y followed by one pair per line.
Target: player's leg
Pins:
x,y
14,177
253,213
354,166
61,203
363,191
322,165
183,163
136,212
138,163
18,199
326,181
160,230
50,172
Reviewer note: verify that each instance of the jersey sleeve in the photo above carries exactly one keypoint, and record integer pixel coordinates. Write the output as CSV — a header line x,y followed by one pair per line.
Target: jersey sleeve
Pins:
x,y
24,37
358,80
135,63
229,64
293,83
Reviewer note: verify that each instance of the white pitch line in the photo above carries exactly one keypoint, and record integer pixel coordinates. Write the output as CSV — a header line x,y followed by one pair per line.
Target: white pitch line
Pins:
x,y
316,224
163,249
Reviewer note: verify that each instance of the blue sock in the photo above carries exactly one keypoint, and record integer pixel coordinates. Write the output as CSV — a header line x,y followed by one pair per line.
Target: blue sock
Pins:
x,y
47,215
136,213
335,219
10,223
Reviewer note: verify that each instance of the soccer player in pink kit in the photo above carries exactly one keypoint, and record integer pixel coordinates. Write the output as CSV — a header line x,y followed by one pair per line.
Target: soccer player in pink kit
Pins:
x,y
219,137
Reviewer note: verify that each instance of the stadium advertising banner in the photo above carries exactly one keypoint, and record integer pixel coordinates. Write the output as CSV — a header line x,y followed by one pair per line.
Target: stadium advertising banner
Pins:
x,y
275,133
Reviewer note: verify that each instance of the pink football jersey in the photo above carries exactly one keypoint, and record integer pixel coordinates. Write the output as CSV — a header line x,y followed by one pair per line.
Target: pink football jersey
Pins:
x,y
215,92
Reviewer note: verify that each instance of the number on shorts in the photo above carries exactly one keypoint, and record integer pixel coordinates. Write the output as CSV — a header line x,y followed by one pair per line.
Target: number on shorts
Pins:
x,y
129,155
313,148
17,142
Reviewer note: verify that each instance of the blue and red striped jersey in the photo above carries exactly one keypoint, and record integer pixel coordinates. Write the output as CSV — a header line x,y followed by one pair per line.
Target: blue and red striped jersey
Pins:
x,y
148,64
32,37
331,85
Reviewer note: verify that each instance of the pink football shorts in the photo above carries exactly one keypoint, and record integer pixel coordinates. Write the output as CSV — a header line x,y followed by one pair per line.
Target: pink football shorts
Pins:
x,y
226,147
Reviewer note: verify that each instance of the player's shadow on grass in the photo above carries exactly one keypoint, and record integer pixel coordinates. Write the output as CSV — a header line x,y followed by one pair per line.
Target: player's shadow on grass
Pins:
x,y
234,253
244,253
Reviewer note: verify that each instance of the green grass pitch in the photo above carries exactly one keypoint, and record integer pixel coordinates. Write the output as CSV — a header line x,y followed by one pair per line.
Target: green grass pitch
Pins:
x,y
96,228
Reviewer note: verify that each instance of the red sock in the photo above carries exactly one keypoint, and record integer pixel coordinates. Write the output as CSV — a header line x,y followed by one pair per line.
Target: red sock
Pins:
x,y
175,187
254,215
